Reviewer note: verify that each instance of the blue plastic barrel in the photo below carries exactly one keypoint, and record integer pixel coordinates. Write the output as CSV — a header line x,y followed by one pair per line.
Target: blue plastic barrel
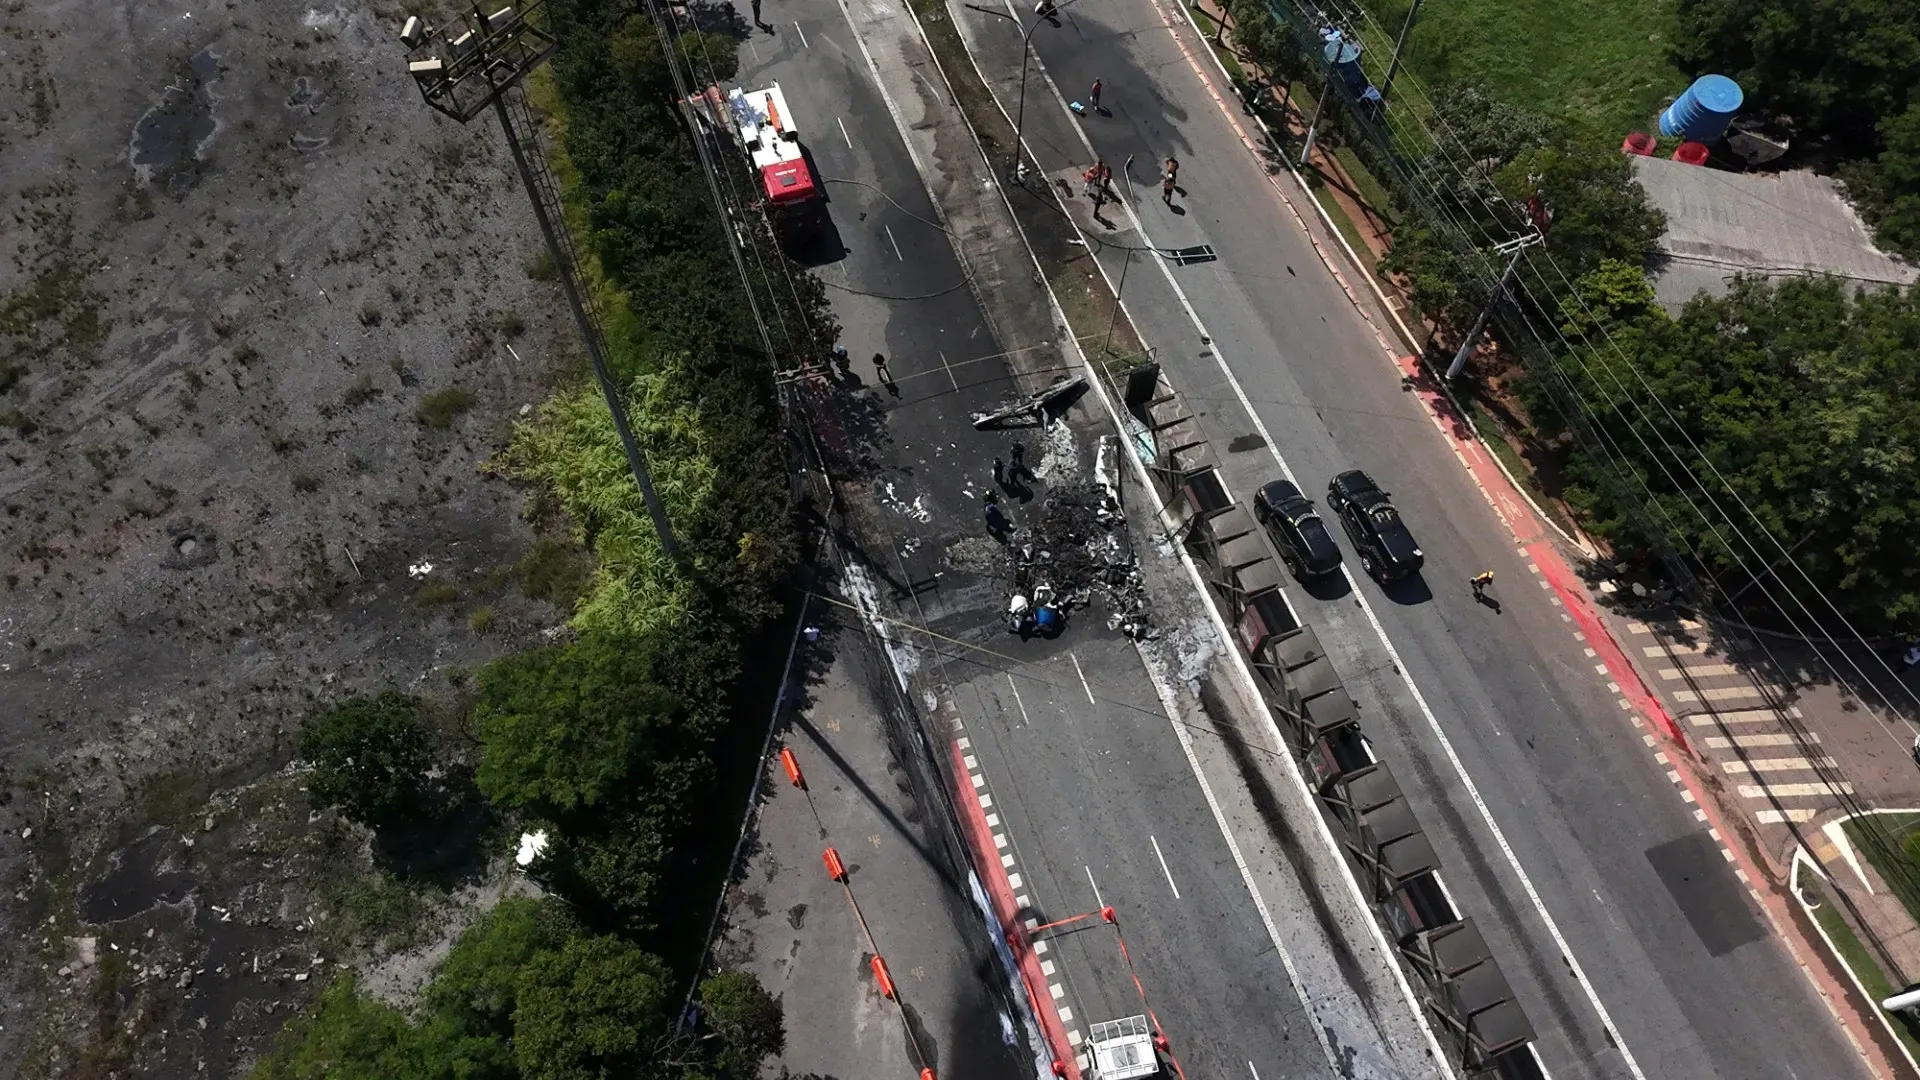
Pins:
x,y
1704,111
1344,57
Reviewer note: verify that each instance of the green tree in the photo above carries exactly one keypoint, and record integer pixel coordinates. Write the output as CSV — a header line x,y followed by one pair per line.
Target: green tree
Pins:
x,y
1793,397
477,986
1887,189
566,727
1611,295
710,57
369,756
345,1035
1504,155
748,1020
1833,67
590,1011
1598,209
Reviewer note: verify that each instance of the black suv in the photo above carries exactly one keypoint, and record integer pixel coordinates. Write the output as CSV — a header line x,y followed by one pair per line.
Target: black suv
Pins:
x,y
1387,549
1297,532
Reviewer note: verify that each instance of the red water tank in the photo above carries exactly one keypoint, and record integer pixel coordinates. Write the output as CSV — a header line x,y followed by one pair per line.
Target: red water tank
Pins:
x,y
1691,153
1639,144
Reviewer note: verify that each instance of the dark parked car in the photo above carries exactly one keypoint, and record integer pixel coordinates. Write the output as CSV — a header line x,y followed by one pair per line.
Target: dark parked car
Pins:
x,y
1296,530
1387,549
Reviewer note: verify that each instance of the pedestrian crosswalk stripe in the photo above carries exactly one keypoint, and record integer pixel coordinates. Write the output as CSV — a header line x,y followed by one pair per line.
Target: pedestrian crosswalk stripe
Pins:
x,y
1722,742
1782,764
1725,693
1774,817
1789,791
1739,716
1698,671
1694,647
1639,628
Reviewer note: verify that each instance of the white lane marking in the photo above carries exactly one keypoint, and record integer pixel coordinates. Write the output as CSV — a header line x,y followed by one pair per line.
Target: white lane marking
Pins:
x,y
1097,902
1014,881
1163,865
803,36
1400,666
896,252
843,132
1017,701
1083,678
943,355
1254,1071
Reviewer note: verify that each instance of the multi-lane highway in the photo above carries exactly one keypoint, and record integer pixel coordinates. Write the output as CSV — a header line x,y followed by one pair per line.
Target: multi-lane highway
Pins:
x,y
1606,899
1635,947
1249,954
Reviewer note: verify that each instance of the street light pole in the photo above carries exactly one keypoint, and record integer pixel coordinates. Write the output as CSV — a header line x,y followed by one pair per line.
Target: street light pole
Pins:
x,y
1026,53
462,71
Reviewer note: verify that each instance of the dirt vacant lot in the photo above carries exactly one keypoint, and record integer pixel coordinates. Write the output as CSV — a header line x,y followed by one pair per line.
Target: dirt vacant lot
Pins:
x,y
264,317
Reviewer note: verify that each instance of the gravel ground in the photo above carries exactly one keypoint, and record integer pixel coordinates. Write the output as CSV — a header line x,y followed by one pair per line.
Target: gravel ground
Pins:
x,y
263,319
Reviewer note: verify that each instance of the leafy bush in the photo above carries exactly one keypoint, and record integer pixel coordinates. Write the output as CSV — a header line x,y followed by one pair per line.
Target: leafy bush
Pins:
x,y
369,756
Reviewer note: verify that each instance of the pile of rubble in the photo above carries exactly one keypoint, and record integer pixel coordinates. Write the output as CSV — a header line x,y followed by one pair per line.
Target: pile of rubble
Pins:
x,y
1076,547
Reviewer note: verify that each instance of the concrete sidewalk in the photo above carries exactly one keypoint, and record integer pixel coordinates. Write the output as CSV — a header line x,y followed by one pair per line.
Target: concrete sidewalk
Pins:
x,y
908,896
1796,751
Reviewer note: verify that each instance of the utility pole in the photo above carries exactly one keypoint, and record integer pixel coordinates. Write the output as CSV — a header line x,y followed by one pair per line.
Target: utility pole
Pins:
x,y
462,71
1519,248
1399,43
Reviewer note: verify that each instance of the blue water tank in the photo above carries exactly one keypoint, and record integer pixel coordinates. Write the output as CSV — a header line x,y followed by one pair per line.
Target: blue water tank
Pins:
x,y
1344,57
1704,111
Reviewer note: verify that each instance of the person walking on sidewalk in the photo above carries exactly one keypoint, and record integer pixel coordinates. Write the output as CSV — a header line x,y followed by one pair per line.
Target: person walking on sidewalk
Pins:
x,y
1480,581
1093,94
1089,179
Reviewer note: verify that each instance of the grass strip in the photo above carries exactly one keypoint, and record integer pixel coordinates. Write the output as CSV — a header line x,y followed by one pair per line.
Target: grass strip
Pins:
x,y
1855,955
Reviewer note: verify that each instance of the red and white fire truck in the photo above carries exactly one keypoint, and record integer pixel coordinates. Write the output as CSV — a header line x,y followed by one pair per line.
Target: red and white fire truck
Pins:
x,y
759,122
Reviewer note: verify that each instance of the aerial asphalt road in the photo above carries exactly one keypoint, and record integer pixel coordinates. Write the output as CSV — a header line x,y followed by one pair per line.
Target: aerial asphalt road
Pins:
x,y
1616,867
1090,780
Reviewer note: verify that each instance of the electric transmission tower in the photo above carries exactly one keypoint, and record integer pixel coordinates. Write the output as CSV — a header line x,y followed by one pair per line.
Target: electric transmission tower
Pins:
x,y
478,62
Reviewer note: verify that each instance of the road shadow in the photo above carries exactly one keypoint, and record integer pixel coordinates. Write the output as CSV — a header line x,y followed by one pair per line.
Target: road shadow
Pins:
x,y
1408,591
1330,587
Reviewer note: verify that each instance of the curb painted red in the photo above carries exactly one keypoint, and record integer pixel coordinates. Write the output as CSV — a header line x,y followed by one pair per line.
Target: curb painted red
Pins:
x,y
1000,891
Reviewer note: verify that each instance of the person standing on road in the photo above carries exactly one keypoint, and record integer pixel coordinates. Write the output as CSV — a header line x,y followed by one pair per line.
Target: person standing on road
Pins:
x,y
1480,581
1168,179
1093,94
1019,470
997,523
